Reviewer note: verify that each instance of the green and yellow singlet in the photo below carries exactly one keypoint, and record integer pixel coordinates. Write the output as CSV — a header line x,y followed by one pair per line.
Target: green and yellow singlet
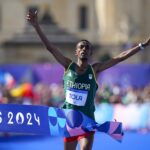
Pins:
x,y
80,90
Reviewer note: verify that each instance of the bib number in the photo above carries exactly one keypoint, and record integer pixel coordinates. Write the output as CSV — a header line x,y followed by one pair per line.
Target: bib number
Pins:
x,y
76,97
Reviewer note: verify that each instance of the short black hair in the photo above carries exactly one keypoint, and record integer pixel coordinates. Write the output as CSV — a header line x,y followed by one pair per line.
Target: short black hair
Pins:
x,y
86,41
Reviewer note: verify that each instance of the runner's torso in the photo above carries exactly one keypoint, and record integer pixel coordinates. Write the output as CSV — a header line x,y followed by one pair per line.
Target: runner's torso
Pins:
x,y
80,90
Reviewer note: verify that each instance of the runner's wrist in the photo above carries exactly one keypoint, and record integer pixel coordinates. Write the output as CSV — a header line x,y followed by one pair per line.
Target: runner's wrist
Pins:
x,y
141,46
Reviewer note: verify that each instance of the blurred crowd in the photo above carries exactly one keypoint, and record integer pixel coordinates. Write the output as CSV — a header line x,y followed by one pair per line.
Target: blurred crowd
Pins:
x,y
27,93
53,94
116,94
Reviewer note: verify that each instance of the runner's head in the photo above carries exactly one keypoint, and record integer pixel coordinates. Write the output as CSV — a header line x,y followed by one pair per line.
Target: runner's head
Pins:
x,y
83,49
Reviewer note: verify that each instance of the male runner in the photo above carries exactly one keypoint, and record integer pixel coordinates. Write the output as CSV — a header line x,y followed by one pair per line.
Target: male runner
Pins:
x,y
80,79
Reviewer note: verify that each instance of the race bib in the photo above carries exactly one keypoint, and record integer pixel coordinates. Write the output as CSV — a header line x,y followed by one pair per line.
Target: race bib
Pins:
x,y
76,97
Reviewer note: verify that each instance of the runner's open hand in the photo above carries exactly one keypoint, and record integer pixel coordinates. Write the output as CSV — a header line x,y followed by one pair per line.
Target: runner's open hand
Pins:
x,y
32,18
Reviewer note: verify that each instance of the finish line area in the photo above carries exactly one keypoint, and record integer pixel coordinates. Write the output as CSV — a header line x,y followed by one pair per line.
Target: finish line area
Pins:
x,y
131,141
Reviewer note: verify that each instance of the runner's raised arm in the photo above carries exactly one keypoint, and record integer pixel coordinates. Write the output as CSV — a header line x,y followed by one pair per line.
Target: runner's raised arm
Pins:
x,y
33,19
98,67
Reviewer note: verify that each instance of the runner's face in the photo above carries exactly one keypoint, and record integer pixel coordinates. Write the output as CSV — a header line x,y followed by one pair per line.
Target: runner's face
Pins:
x,y
83,50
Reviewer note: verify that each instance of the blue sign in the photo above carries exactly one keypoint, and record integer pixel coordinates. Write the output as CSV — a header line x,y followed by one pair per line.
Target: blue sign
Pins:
x,y
43,120
24,119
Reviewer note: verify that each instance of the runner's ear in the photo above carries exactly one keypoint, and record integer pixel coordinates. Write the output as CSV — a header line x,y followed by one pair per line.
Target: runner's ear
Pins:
x,y
76,52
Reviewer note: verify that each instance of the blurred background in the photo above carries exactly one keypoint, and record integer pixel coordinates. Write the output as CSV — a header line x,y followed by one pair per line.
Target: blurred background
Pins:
x,y
30,75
